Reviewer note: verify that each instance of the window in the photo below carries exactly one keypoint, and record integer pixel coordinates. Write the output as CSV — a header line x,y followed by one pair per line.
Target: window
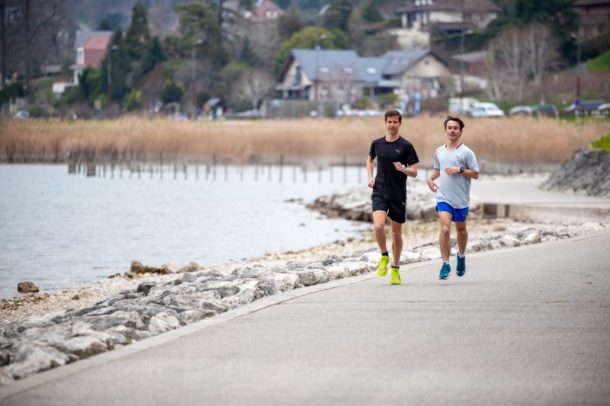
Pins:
x,y
298,77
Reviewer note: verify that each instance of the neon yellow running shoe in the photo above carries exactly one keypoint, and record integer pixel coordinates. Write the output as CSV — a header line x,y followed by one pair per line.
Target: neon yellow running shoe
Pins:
x,y
382,269
395,279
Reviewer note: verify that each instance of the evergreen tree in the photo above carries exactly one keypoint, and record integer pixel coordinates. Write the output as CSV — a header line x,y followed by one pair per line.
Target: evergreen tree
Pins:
x,y
337,15
247,54
153,55
370,12
138,34
289,23
198,23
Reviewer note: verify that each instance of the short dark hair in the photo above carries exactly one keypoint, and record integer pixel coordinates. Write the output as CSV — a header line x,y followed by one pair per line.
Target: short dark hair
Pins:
x,y
456,119
393,113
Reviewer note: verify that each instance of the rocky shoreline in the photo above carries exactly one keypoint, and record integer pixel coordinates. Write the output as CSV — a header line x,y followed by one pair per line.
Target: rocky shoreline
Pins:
x,y
87,322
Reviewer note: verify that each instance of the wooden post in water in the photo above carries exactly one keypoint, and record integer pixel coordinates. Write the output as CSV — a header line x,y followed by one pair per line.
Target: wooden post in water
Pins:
x,y
91,163
304,174
344,169
320,174
281,167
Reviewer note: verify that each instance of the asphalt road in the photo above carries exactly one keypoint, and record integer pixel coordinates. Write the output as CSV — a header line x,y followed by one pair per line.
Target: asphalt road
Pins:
x,y
529,325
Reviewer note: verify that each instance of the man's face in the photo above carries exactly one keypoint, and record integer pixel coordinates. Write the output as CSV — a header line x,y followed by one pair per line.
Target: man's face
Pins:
x,y
392,125
453,130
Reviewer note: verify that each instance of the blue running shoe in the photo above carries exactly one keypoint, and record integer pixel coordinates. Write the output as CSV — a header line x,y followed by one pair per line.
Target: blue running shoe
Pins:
x,y
460,269
445,270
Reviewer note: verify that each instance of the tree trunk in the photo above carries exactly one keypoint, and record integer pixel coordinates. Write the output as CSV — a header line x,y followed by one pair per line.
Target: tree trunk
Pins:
x,y
3,47
28,45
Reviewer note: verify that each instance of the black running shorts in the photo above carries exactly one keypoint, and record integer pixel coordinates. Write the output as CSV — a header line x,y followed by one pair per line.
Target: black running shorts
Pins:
x,y
396,209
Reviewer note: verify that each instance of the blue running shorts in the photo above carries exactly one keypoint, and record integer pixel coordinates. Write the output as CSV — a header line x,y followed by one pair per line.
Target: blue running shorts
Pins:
x,y
457,215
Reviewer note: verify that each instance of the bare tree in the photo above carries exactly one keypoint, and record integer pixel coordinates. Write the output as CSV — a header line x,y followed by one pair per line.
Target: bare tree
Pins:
x,y
254,86
506,62
27,27
516,57
540,51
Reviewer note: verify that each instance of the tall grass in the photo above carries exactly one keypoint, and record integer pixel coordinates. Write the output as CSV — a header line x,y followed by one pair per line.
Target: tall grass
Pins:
x,y
509,141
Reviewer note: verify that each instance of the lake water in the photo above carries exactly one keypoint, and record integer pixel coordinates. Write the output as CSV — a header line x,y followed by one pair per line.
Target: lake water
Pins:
x,y
59,230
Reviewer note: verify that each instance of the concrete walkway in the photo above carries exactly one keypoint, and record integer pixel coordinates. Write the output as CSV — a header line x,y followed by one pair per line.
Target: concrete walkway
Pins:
x,y
521,199
529,325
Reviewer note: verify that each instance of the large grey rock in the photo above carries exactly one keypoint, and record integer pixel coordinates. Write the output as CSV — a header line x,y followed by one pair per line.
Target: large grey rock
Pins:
x,y
162,322
31,358
585,172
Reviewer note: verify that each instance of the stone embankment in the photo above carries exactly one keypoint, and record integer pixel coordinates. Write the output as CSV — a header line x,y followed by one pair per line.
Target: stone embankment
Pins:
x,y
356,204
586,172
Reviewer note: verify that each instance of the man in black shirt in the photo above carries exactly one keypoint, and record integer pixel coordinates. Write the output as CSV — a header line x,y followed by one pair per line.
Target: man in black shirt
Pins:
x,y
396,159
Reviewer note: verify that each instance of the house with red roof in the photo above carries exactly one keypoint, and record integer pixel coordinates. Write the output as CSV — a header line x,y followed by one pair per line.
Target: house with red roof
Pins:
x,y
91,48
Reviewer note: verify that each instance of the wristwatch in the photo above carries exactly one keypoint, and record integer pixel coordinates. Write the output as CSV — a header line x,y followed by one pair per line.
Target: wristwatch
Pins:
x,y
461,169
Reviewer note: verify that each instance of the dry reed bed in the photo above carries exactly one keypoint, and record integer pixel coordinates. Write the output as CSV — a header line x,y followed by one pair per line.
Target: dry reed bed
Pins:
x,y
514,140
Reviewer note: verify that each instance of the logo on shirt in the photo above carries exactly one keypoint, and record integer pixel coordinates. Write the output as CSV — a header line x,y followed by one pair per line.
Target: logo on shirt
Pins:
x,y
397,151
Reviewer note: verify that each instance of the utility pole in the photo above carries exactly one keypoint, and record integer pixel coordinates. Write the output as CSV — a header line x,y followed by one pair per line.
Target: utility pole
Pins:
x,y
109,72
197,42
317,73
462,39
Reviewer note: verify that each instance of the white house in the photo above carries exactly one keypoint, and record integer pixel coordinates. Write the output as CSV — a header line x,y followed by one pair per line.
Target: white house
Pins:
x,y
419,18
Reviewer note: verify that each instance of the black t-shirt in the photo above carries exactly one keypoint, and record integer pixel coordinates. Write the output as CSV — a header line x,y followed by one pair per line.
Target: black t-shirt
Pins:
x,y
389,182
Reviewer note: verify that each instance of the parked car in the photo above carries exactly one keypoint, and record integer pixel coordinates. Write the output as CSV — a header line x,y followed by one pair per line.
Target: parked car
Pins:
x,y
22,114
585,107
482,110
604,109
525,111
545,110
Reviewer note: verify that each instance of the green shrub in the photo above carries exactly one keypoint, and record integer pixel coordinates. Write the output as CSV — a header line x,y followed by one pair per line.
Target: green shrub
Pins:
x,y
171,93
602,143
601,63
133,100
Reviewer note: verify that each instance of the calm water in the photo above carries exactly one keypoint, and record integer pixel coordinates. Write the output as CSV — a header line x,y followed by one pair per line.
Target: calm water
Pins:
x,y
61,230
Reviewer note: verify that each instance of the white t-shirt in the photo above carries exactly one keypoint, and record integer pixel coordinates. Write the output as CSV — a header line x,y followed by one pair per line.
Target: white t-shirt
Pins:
x,y
454,189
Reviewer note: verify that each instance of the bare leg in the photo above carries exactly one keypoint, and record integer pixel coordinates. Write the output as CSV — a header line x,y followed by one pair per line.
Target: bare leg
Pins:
x,y
462,237
379,217
396,242
444,238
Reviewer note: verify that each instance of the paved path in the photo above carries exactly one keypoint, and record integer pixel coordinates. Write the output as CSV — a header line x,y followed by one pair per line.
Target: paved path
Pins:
x,y
524,326
521,199
519,190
